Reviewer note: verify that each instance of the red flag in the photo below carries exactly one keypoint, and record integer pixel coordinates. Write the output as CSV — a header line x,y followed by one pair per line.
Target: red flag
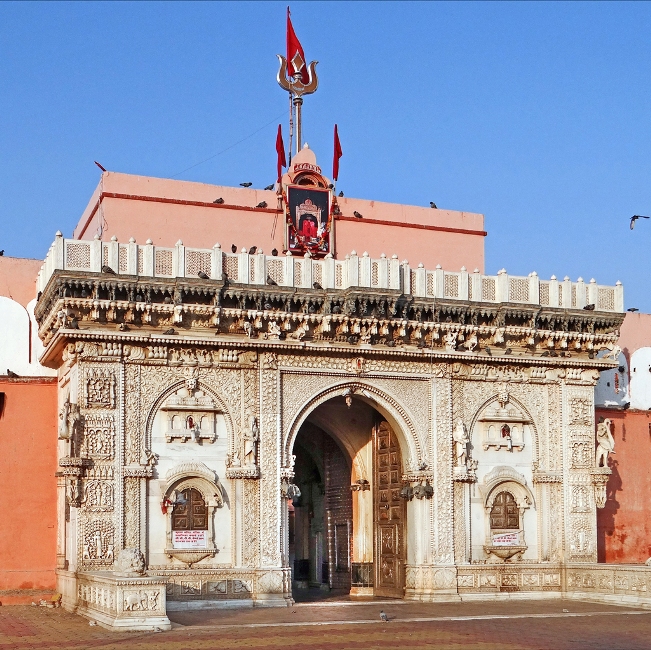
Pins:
x,y
338,154
280,150
295,56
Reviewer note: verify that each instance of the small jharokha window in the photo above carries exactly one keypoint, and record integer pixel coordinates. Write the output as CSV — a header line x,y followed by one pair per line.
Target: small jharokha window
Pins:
x,y
506,431
505,513
193,514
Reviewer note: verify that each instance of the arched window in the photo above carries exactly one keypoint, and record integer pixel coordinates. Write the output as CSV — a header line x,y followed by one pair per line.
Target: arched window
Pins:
x,y
505,513
193,514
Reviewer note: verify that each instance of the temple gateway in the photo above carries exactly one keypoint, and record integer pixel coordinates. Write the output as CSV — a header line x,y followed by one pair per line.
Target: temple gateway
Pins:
x,y
237,427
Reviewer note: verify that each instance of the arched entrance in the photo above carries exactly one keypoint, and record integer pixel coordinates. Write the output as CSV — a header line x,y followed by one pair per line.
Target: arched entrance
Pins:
x,y
347,529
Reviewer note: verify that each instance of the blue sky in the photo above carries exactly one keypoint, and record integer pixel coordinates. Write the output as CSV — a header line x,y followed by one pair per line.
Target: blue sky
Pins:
x,y
534,114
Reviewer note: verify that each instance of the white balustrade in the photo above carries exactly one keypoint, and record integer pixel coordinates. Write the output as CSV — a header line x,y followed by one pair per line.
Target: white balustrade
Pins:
x,y
259,269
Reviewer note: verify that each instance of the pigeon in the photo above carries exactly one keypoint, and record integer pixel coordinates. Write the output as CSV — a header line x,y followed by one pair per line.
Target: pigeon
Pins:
x,y
336,309
632,309
358,214
139,298
268,306
2,252
252,250
246,184
635,217
433,205
545,354
218,201
262,204
203,276
233,248
271,281
589,307
626,406
341,193
270,187
168,300
39,294
391,344
316,285
108,269
488,352
383,617
170,331
100,166
123,327
508,351
12,374
352,340
274,252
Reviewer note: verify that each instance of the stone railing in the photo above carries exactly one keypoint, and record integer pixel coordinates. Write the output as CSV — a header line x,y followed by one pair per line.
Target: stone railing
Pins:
x,y
304,272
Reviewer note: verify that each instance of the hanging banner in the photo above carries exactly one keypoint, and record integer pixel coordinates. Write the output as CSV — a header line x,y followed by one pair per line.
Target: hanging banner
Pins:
x,y
308,220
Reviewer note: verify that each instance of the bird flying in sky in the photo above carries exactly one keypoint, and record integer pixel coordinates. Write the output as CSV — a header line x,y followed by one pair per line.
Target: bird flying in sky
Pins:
x,y
635,217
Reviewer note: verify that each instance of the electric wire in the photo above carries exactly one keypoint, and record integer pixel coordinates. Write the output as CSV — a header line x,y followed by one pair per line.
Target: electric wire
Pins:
x,y
230,146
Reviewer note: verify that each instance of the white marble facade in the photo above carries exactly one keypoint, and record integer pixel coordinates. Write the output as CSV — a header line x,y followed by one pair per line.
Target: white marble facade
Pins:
x,y
197,403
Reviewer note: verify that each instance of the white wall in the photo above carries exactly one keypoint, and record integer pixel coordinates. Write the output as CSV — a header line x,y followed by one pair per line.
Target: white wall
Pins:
x,y
612,389
640,387
20,346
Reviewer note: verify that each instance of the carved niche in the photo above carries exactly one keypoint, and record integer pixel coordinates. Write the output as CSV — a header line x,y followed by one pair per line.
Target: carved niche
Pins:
x,y
99,437
190,415
503,425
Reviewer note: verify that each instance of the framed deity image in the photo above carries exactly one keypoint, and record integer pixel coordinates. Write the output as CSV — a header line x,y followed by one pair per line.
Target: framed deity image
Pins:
x,y
308,220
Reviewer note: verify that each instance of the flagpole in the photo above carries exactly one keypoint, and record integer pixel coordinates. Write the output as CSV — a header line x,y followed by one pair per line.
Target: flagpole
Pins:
x,y
298,102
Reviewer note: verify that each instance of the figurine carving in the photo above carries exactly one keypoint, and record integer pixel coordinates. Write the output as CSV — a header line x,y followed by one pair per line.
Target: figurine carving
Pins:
x,y
605,443
251,439
461,440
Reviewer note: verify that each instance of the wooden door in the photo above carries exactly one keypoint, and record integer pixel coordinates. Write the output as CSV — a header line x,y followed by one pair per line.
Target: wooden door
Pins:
x,y
193,514
390,514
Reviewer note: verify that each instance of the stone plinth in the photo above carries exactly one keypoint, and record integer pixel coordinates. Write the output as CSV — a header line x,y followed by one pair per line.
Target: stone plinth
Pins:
x,y
125,603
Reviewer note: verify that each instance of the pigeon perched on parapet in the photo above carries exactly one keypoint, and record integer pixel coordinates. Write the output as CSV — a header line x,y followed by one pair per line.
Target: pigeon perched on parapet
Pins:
x,y
170,331
262,204
269,187
341,193
11,374
632,309
108,269
2,252
316,285
589,307
635,217
359,215
233,248
218,201
246,184
274,252
383,617
203,276
433,205
252,250
488,352
271,281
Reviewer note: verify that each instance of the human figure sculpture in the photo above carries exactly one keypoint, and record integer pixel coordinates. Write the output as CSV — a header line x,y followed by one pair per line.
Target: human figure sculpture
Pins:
x,y
461,439
605,443
251,439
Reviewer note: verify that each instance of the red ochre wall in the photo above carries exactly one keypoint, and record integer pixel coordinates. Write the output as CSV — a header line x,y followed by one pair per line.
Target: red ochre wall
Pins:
x,y
624,525
28,461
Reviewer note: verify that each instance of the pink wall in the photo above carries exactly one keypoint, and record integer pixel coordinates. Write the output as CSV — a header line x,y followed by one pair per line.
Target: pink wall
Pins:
x,y
28,462
18,278
166,210
635,333
624,525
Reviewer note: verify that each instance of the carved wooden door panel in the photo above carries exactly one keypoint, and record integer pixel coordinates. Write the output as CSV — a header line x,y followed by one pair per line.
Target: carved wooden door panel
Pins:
x,y
390,514
193,514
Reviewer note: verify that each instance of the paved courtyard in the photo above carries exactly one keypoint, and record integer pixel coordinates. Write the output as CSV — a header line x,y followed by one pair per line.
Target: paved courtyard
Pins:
x,y
555,624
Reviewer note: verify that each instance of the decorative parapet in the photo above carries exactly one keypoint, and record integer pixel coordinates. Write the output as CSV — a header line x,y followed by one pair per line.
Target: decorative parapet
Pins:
x,y
151,261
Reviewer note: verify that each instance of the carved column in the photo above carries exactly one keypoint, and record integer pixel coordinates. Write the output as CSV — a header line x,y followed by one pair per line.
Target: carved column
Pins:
x,y
579,448
61,521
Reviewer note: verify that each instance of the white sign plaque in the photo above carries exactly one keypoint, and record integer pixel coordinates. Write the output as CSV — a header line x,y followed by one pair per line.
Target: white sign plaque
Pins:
x,y
506,539
190,538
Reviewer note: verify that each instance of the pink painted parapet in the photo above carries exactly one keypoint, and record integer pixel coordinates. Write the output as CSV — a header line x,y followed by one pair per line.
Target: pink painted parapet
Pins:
x,y
165,211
